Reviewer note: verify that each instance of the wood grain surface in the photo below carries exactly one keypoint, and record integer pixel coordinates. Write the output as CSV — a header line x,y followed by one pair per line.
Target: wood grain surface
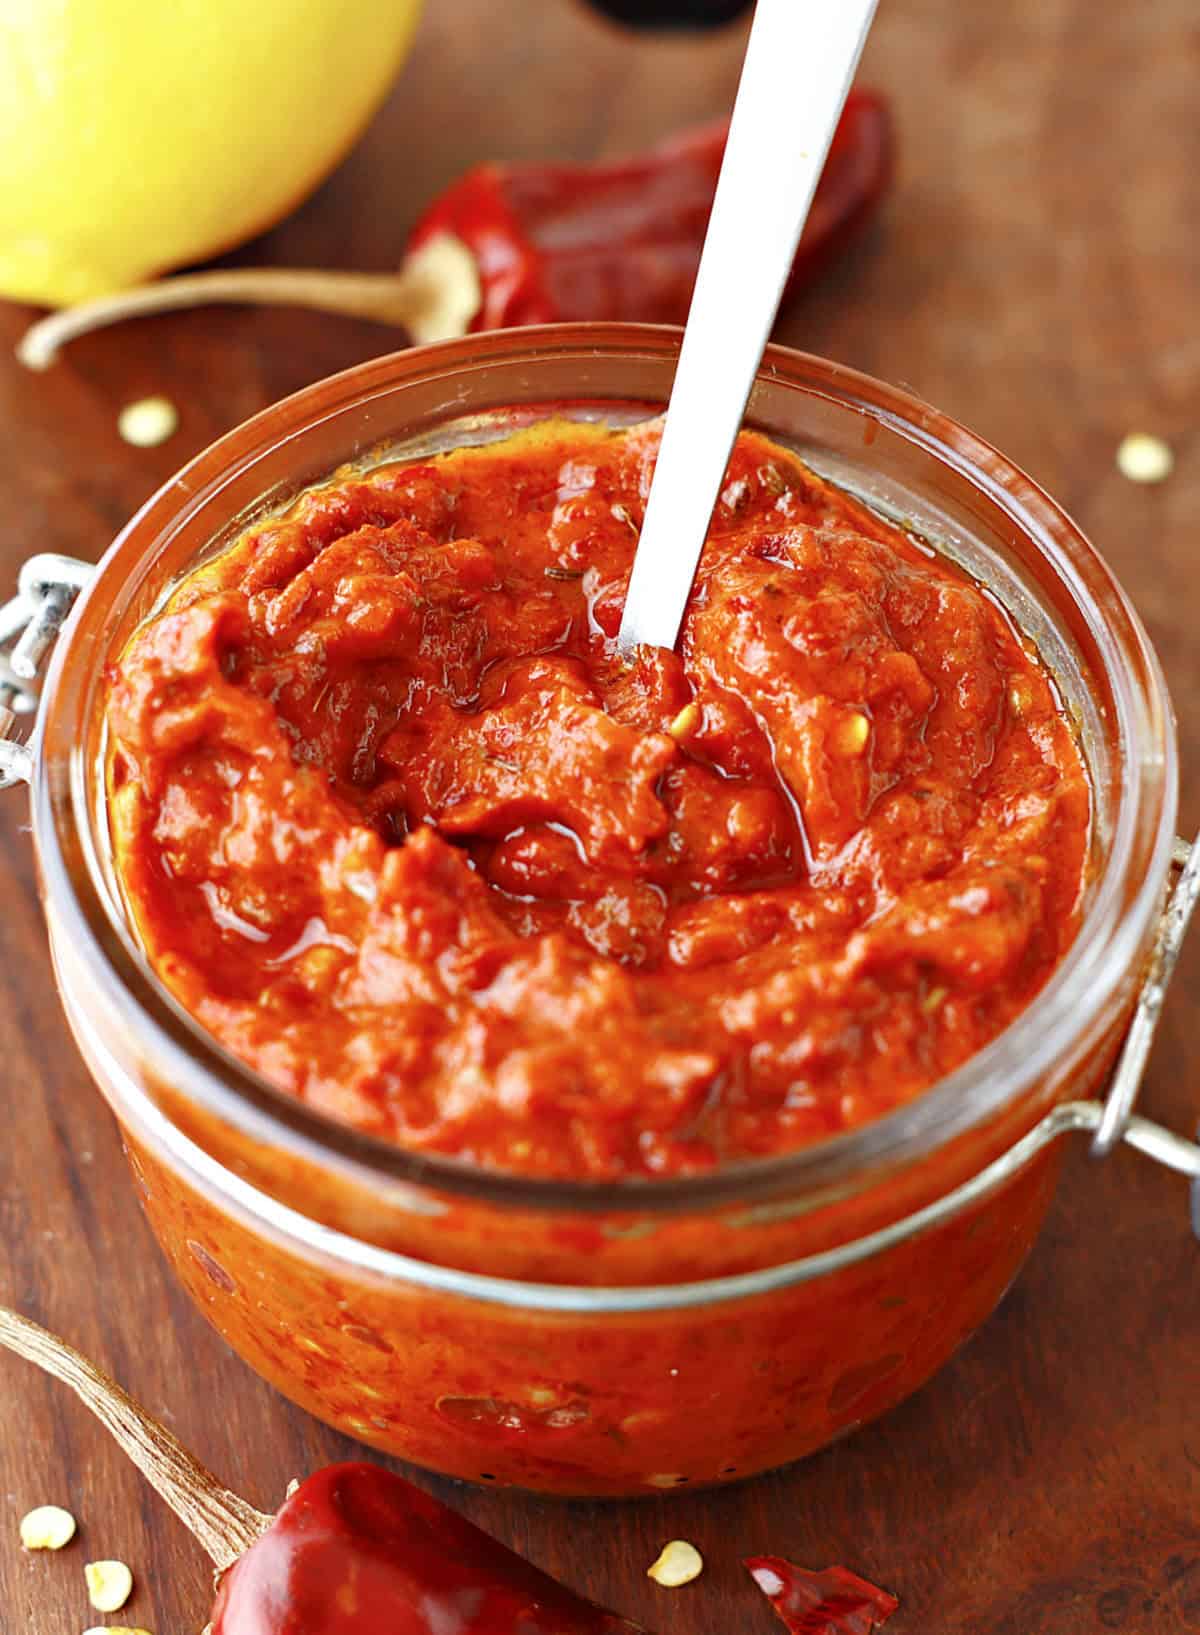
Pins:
x,y
1037,276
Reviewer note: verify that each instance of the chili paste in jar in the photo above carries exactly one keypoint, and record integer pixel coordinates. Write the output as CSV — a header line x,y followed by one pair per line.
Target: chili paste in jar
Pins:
x,y
400,825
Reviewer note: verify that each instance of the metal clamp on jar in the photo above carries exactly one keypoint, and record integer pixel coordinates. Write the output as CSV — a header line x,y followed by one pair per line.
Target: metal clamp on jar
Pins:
x,y
47,587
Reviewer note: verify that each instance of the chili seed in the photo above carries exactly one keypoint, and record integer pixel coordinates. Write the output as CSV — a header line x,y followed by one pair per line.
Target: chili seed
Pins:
x,y
47,1528
1144,459
148,422
685,722
852,734
109,1584
678,1563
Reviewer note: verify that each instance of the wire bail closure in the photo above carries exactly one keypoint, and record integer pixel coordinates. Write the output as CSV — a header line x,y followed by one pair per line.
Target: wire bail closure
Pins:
x,y
46,589
1117,1121
1131,1064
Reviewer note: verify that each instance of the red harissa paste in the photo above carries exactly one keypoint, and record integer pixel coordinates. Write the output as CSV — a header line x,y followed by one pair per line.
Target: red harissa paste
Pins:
x,y
401,827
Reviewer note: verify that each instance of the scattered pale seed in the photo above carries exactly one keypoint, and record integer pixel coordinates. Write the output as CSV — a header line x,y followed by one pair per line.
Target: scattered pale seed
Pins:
x,y
934,999
148,422
316,966
852,734
685,722
1144,459
115,1629
109,1584
47,1528
678,1563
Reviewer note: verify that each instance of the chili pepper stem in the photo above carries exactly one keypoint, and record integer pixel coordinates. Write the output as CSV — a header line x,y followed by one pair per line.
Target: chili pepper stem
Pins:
x,y
434,295
222,1523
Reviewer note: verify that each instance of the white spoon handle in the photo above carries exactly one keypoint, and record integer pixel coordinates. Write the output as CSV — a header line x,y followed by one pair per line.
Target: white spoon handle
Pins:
x,y
799,63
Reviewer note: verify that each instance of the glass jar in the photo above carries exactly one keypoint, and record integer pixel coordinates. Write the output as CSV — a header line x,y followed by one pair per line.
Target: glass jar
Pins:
x,y
606,1338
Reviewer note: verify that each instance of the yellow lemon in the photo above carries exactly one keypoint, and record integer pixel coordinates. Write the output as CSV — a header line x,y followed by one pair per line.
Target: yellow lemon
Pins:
x,y
136,135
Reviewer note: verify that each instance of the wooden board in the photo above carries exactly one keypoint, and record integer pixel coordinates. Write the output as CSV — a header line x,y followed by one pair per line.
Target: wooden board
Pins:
x,y
1037,276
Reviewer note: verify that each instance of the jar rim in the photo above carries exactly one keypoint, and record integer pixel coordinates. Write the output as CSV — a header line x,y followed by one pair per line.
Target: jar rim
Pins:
x,y
1125,893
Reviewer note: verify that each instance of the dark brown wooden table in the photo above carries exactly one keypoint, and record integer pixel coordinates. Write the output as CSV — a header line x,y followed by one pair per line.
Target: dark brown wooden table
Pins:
x,y
1037,276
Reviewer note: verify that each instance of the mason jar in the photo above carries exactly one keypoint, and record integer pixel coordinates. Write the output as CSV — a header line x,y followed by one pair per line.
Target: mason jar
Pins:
x,y
588,1337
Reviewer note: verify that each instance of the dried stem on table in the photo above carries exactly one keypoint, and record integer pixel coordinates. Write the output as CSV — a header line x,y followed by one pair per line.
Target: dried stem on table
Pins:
x,y
224,1524
434,296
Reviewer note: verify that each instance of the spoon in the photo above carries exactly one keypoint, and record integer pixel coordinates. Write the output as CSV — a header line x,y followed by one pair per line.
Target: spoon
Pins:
x,y
800,60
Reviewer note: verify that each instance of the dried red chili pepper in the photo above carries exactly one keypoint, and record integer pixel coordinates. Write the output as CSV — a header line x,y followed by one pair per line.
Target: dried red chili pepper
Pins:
x,y
513,244
833,1602
622,240
356,1549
